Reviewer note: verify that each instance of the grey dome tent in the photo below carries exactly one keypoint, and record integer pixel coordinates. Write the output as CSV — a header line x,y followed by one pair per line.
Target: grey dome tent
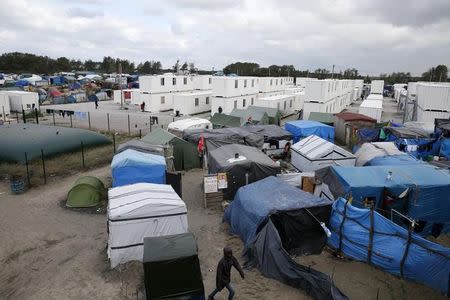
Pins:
x,y
87,191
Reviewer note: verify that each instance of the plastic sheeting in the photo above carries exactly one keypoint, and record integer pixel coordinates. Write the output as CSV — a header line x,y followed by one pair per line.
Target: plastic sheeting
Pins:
x,y
394,160
131,166
420,190
271,133
369,151
445,148
251,161
272,227
141,146
419,260
141,210
303,128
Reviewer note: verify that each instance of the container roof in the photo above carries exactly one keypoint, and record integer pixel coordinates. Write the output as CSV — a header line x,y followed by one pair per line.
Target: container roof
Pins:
x,y
169,247
326,118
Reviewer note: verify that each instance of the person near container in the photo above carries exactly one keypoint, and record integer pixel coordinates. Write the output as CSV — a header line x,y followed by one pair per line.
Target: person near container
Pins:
x,y
223,275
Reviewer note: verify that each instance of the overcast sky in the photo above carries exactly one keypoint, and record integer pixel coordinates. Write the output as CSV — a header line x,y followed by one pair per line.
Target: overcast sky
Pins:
x,y
371,35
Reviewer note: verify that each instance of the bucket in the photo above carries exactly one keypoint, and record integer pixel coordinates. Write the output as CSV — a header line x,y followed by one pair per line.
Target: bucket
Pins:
x,y
17,184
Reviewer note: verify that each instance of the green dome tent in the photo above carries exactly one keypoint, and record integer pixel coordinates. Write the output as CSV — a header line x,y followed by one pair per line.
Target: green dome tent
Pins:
x,y
86,192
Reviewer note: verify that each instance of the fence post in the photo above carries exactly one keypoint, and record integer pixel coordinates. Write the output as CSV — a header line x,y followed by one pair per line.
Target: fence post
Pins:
x,y
71,122
17,117
3,113
140,133
28,172
23,116
150,119
53,112
129,128
89,120
82,155
43,166
36,115
107,118
114,143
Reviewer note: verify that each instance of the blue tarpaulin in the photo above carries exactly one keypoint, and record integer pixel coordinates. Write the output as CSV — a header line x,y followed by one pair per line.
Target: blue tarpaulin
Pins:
x,y
445,148
420,191
393,160
131,166
425,262
75,86
251,205
304,128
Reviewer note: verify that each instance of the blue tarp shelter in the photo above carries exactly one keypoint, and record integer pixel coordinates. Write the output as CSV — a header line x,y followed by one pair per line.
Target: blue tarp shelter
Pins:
x,y
57,80
75,86
420,191
414,141
445,148
273,227
22,83
394,160
304,128
413,257
131,166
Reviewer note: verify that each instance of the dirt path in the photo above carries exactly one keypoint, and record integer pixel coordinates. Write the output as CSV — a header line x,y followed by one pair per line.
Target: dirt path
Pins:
x,y
49,252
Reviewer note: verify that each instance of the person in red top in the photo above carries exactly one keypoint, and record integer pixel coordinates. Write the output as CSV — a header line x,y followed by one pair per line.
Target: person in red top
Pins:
x,y
223,276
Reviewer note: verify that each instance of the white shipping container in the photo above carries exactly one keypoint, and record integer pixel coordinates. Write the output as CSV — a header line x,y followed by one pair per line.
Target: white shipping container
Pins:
x,y
271,84
433,96
230,103
371,108
377,87
165,83
412,89
428,116
284,103
301,81
5,108
192,103
234,86
130,96
378,97
20,99
202,82
157,102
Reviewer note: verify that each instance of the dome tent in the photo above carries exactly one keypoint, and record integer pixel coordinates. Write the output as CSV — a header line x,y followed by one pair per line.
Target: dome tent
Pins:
x,y
86,192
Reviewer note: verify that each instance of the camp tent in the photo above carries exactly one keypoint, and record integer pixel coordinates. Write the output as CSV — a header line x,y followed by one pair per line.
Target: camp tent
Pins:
x,y
313,152
382,153
86,192
223,121
185,154
141,210
270,133
325,118
172,268
131,166
141,146
303,128
215,138
282,224
388,246
16,139
273,113
179,126
251,116
418,190
251,165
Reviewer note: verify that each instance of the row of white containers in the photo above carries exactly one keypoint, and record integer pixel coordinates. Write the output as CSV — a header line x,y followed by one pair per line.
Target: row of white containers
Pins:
x,y
433,96
224,86
166,83
15,101
372,108
377,87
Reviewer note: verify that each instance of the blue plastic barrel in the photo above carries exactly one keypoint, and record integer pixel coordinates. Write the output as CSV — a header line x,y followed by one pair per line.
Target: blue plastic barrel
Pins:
x,y
18,185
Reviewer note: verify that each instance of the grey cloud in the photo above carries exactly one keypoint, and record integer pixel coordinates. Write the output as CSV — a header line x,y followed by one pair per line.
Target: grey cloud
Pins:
x,y
84,13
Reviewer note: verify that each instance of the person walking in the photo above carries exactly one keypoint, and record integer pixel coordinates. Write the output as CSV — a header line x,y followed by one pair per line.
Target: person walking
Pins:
x,y
223,275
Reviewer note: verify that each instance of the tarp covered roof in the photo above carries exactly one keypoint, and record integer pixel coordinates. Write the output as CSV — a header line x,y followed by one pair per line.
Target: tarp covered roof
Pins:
x,y
223,136
187,123
304,128
269,132
325,118
349,117
164,248
141,146
223,120
159,136
314,147
131,158
369,151
255,115
406,133
271,112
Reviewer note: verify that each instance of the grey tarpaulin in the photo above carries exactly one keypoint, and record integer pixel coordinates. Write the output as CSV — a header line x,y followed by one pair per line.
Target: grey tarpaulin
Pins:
x,y
251,161
141,147
218,137
271,133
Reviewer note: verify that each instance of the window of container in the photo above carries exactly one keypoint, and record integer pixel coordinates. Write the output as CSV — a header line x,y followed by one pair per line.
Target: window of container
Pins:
x,y
207,100
162,81
196,101
174,81
185,80
243,103
235,103
163,99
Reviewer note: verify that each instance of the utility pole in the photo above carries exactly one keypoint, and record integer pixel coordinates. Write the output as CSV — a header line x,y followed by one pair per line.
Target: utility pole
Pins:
x,y
332,73
120,85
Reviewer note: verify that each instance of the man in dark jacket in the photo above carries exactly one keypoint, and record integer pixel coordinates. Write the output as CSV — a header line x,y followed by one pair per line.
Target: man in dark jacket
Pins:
x,y
224,273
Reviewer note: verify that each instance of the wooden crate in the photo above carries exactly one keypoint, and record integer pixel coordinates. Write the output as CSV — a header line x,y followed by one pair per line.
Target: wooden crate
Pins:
x,y
213,200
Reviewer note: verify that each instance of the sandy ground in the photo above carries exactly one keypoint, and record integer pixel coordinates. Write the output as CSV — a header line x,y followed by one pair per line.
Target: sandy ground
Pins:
x,y
50,252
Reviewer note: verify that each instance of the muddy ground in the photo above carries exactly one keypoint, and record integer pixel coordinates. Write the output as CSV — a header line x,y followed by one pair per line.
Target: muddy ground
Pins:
x,y
50,252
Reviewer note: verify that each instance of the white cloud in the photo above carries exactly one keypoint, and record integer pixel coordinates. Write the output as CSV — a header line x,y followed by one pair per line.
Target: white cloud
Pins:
x,y
372,35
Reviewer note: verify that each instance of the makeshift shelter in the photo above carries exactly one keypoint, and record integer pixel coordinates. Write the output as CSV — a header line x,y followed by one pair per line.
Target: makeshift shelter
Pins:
x,y
382,153
185,154
304,128
313,152
86,192
141,146
411,140
442,127
325,118
18,139
224,121
346,123
273,135
251,116
369,237
273,113
418,190
215,138
243,164
131,166
57,80
145,210
179,126
172,268
282,224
